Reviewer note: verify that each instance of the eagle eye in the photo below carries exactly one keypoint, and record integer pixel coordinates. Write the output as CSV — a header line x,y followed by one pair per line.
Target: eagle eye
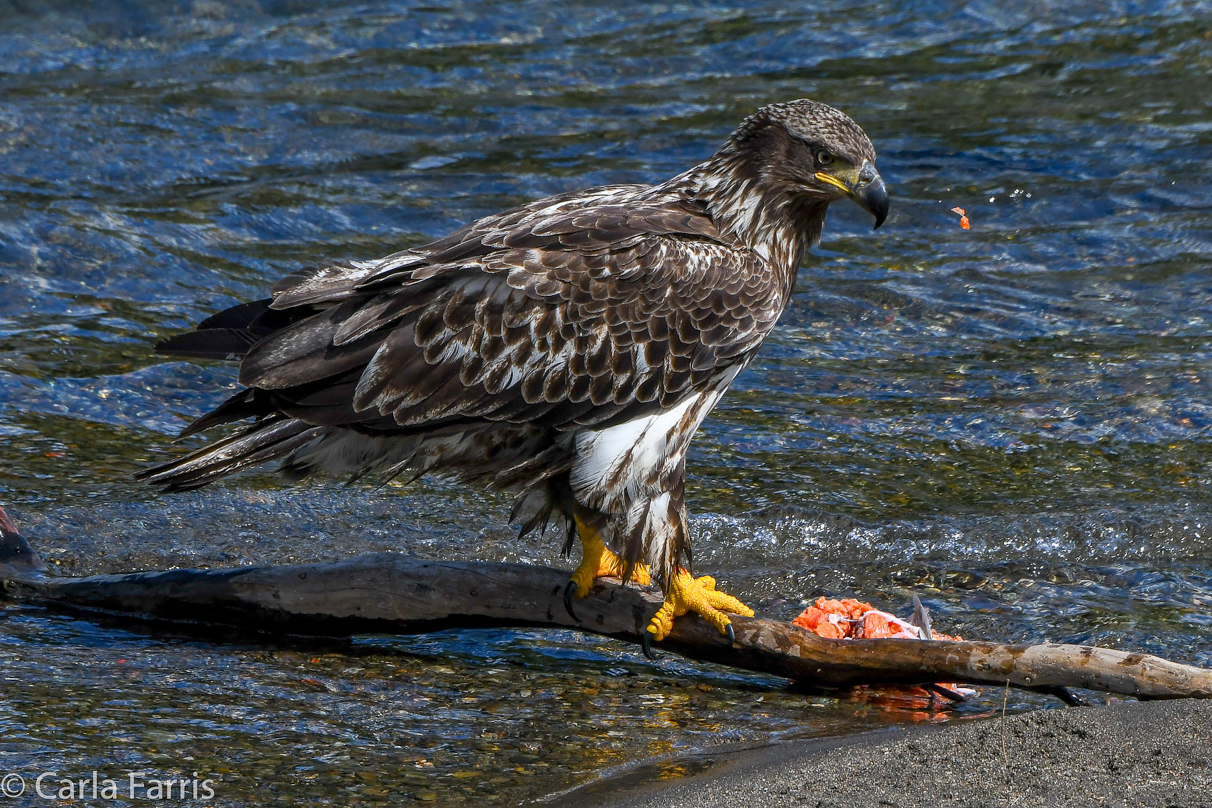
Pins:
x,y
823,158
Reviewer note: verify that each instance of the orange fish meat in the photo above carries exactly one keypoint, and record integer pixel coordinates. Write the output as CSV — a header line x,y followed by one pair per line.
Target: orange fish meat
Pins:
x,y
852,619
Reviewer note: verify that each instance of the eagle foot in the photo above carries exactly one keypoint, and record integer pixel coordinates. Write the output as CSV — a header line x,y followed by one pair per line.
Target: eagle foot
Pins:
x,y
597,561
688,594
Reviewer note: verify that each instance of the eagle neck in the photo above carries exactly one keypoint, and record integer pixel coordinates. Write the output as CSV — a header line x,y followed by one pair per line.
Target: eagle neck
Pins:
x,y
767,218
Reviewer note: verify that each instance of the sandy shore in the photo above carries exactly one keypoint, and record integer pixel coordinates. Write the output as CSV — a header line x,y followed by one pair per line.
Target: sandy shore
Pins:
x,y
1136,754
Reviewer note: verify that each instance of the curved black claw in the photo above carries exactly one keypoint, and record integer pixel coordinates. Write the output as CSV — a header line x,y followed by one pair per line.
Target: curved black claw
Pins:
x,y
731,634
646,644
568,590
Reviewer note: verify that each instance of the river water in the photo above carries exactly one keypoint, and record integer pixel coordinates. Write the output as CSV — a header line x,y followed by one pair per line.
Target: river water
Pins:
x,y
1011,421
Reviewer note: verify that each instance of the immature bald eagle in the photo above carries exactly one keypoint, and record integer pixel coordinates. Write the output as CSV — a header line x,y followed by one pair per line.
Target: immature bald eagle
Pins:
x,y
567,349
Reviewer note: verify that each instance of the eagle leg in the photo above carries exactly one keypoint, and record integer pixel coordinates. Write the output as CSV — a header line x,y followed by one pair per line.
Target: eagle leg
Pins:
x,y
689,594
597,561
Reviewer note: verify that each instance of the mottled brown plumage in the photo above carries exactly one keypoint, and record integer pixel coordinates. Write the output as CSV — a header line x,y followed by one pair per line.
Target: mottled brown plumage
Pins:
x,y
567,349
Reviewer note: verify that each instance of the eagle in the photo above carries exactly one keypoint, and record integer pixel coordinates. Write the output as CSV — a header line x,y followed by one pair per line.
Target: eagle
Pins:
x,y
565,350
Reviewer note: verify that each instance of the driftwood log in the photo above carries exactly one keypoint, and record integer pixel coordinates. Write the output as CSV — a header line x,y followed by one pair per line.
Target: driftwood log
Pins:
x,y
392,593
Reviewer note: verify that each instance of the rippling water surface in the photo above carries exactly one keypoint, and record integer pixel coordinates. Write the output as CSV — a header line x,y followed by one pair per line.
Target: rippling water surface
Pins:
x,y
1012,420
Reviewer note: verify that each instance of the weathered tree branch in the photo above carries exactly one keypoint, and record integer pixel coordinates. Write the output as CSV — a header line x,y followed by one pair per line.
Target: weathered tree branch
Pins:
x,y
387,592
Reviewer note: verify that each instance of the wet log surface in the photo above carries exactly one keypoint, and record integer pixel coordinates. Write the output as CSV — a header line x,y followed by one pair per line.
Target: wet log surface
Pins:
x,y
393,593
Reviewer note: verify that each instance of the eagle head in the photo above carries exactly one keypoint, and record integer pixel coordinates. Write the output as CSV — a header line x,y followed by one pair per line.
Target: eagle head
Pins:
x,y
809,150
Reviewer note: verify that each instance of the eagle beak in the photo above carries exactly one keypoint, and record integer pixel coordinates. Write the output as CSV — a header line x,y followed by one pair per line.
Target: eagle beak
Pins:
x,y
865,187
874,199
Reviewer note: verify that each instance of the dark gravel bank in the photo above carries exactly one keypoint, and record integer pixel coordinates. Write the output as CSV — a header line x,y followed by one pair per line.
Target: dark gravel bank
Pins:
x,y
1137,754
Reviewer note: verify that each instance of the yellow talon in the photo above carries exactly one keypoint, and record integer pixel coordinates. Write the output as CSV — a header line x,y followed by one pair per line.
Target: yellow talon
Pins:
x,y
597,561
687,594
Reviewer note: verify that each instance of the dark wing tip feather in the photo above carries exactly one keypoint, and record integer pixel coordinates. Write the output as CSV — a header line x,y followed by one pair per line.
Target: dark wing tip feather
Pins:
x,y
230,333
244,404
239,316
213,343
